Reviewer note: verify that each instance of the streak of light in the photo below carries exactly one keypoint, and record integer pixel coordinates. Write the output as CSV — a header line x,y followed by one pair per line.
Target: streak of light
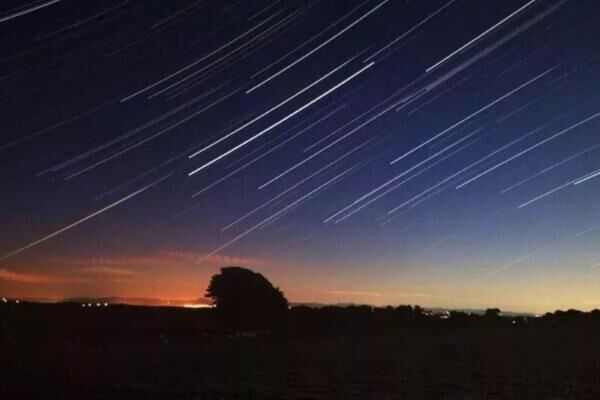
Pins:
x,y
82,220
470,166
529,149
586,178
295,206
263,10
476,131
586,231
194,63
429,196
144,174
322,150
395,178
283,210
251,153
480,36
512,263
244,51
308,54
525,256
223,59
178,92
426,191
281,121
389,219
382,102
152,137
126,135
550,168
263,155
309,40
437,96
311,125
411,30
394,187
476,113
483,53
294,186
504,147
64,122
182,86
28,11
125,47
274,108
548,193
62,39
280,216
137,178
173,94
347,124
171,17
518,110
83,21
538,50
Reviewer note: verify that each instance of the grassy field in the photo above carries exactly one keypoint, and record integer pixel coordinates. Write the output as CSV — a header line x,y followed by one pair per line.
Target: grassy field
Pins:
x,y
66,351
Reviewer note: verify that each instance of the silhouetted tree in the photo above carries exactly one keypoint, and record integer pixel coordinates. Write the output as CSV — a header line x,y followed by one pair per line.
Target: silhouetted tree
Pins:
x,y
404,313
492,313
246,300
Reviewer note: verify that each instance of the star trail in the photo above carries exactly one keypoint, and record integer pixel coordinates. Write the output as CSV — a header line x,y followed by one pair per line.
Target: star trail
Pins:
x,y
373,128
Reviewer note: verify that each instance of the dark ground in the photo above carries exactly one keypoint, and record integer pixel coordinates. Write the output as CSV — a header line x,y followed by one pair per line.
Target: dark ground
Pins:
x,y
122,352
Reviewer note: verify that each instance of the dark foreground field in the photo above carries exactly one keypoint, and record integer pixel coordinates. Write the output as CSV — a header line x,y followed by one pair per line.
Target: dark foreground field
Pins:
x,y
121,352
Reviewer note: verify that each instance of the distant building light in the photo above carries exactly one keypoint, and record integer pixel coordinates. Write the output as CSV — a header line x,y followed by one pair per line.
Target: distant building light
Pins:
x,y
89,304
105,304
4,300
17,301
514,322
83,305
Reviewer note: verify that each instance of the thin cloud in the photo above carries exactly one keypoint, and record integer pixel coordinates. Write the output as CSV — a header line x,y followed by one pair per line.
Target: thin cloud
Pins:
x,y
110,271
354,293
36,278
364,293
121,264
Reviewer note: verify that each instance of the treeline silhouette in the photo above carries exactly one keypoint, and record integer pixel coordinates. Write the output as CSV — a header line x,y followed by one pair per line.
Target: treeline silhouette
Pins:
x,y
68,351
326,352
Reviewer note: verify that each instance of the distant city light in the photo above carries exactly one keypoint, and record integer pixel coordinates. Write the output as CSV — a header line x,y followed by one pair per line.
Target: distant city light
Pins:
x,y
197,306
105,304
17,301
4,300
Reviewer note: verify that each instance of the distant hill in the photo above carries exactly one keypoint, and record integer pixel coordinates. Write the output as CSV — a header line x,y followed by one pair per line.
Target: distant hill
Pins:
x,y
320,305
147,301
476,311
434,310
136,301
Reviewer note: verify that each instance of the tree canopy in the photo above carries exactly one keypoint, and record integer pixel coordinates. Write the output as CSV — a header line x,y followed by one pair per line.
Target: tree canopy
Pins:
x,y
246,300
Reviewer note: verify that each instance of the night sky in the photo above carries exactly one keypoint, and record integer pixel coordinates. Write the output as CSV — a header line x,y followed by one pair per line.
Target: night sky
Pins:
x,y
442,153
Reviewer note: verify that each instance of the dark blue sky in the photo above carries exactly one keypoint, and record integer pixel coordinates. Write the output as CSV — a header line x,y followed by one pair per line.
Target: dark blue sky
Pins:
x,y
432,152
